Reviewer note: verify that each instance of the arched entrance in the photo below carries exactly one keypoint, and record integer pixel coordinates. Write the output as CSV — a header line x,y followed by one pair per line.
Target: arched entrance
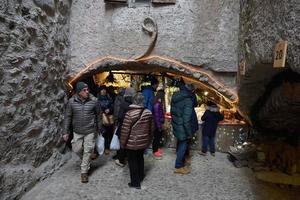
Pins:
x,y
199,76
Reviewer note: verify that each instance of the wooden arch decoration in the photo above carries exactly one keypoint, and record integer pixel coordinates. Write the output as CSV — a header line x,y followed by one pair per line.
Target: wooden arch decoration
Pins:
x,y
194,74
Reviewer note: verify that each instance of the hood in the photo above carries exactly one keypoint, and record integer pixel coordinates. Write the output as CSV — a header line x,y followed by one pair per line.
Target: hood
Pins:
x,y
212,108
180,96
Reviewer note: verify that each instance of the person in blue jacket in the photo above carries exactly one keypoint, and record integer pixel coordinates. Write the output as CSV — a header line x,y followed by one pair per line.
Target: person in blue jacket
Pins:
x,y
148,93
210,118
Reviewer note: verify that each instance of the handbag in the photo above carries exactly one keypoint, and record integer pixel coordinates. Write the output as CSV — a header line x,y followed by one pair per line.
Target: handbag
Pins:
x,y
107,119
100,144
115,142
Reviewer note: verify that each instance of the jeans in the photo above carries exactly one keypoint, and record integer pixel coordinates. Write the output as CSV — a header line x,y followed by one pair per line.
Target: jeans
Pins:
x,y
208,141
136,166
181,150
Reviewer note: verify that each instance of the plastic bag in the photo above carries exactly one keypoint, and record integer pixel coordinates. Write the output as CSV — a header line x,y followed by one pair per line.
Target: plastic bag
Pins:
x,y
100,144
115,143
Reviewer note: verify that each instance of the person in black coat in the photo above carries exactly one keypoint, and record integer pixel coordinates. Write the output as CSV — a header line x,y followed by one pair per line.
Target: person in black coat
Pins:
x,y
210,118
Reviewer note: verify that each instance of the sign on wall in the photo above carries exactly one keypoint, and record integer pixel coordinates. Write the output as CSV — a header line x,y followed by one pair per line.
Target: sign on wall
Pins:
x,y
280,54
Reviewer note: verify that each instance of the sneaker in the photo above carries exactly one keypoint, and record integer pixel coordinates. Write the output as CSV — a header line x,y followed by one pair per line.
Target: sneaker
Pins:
x,y
160,150
182,170
213,154
84,178
202,153
136,187
117,161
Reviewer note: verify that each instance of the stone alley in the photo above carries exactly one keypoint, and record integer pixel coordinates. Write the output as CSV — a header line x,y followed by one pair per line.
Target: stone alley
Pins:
x,y
210,178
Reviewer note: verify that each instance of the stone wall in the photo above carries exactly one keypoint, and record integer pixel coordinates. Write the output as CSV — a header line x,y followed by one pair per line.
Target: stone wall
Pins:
x,y
262,25
198,32
33,60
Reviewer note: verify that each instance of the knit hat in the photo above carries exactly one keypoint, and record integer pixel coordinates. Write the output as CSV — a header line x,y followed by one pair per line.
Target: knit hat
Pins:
x,y
80,86
130,92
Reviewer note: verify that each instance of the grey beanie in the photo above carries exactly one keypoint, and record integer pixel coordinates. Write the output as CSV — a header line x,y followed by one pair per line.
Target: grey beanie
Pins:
x,y
80,86
130,92
138,99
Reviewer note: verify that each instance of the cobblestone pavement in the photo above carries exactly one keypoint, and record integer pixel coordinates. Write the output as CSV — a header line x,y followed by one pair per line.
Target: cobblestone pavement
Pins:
x,y
210,178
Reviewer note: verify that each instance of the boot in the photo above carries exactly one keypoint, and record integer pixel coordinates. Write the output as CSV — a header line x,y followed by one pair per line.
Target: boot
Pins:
x,y
94,156
182,170
84,178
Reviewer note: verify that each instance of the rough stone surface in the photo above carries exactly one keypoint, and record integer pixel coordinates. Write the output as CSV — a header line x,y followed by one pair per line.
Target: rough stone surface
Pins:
x,y
33,55
189,31
210,178
262,25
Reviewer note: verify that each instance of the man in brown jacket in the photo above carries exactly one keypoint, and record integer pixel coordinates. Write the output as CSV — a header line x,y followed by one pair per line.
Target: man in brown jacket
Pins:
x,y
136,137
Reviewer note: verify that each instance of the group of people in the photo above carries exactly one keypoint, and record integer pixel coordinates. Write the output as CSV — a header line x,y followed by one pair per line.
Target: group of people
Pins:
x,y
137,118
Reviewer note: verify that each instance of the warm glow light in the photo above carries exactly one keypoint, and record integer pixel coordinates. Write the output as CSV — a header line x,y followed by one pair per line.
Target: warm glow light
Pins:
x,y
205,93
192,69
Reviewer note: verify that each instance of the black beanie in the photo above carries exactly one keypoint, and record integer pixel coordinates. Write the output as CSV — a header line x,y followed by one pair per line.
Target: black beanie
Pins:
x,y
80,86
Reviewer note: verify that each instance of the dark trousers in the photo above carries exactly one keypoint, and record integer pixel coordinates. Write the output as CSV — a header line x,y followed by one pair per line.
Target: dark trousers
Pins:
x,y
156,140
108,134
208,141
136,166
121,155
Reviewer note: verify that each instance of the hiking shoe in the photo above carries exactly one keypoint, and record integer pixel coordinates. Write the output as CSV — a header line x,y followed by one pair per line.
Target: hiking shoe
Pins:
x,y
106,152
202,153
84,178
94,156
117,161
136,187
187,162
182,170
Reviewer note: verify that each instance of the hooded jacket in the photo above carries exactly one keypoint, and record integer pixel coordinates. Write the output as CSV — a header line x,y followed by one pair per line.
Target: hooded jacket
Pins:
x,y
211,118
84,116
181,112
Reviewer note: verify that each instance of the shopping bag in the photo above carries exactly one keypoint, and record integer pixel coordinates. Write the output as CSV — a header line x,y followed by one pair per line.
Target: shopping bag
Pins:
x,y
115,143
100,144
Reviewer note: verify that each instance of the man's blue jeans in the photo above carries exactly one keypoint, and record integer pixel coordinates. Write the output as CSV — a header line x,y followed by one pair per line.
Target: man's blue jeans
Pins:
x,y
181,148
208,141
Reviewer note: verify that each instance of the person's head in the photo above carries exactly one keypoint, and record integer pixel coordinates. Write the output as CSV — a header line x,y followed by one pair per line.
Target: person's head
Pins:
x,y
160,95
82,90
129,92
154,83
138,99
102,90
211,104
190,86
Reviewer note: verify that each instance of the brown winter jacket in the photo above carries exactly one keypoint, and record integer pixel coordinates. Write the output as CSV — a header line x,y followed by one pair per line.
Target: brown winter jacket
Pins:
x,y
140,134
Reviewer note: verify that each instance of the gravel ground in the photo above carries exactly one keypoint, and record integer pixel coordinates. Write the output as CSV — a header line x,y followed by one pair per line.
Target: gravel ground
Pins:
x,y
210,178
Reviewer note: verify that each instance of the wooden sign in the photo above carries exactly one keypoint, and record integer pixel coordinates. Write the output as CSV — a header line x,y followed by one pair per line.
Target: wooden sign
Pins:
x,y
242,66
280,54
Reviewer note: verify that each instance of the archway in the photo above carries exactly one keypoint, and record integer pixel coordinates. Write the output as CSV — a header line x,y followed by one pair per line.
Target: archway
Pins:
x,y
197,75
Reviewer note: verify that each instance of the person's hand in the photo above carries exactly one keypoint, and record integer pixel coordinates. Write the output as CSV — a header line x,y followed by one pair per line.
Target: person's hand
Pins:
x,y
66,137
